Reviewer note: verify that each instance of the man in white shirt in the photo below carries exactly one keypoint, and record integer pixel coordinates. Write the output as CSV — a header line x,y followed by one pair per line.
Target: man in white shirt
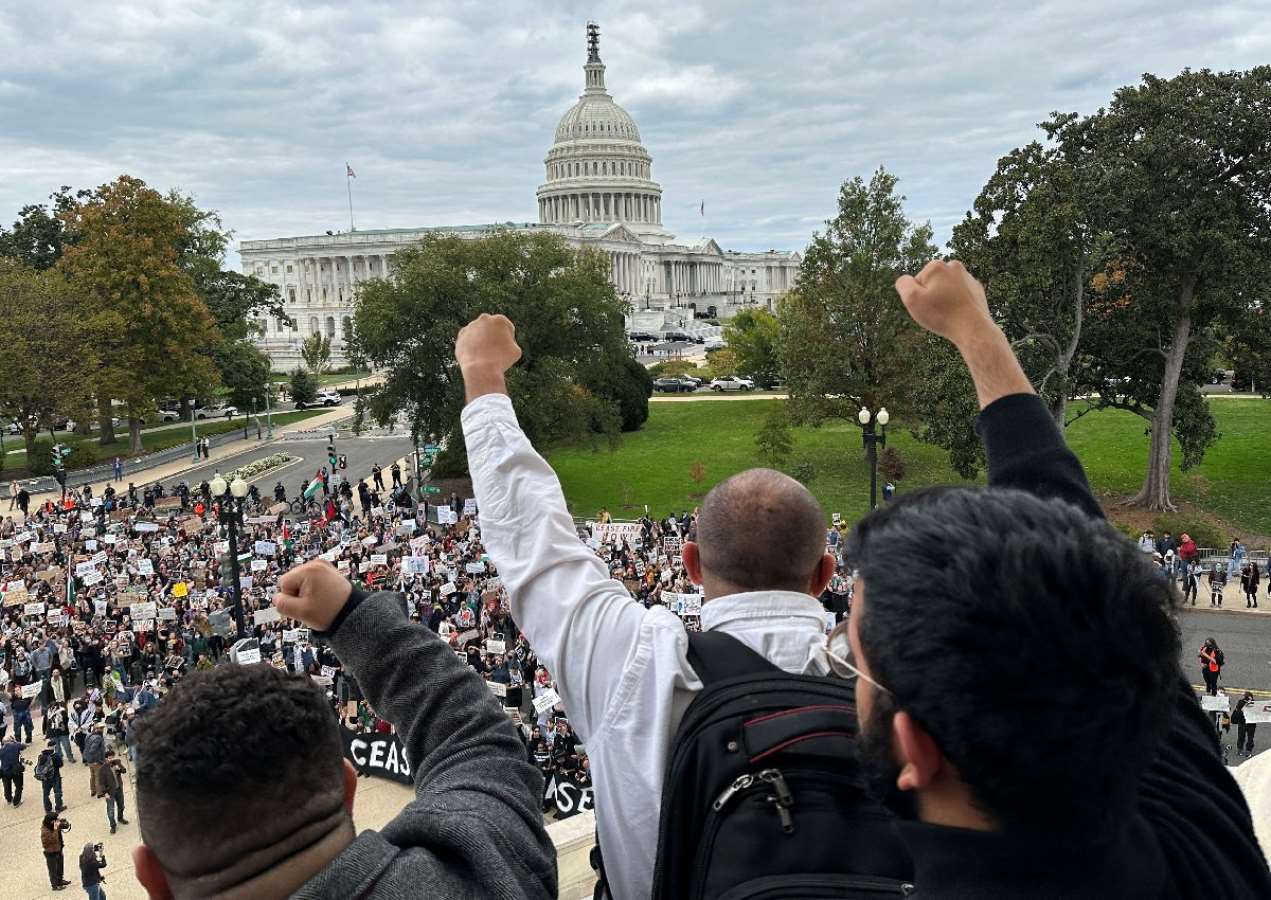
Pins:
x,y
621,669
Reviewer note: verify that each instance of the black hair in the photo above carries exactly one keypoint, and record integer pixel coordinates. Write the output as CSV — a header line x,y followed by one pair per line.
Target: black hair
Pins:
x,y
232,746
1033,643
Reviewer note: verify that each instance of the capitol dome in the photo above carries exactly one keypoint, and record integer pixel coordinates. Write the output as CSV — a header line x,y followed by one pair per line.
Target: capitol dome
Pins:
x,y
597,170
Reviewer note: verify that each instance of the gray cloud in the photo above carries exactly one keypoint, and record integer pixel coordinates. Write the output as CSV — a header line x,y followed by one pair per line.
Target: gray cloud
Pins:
x,y
446,109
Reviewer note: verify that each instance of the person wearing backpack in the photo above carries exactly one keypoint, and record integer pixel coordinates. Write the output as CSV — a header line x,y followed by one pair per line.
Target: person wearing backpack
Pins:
x,y
748,706
48,772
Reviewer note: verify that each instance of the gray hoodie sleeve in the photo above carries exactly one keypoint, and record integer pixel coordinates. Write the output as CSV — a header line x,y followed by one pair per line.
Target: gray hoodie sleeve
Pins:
x,y
478,799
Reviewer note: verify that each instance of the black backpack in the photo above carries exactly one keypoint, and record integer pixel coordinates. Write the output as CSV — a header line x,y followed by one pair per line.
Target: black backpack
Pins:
x,y
764,796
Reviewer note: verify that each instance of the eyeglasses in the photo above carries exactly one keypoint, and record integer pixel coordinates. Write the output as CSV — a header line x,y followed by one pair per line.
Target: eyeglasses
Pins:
x,y
838,651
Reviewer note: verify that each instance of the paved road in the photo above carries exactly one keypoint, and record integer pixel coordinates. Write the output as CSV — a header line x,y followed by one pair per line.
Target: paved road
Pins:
x,y
361,452
1245,640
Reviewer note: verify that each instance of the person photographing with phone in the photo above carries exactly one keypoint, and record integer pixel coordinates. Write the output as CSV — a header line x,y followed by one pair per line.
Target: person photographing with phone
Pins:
x,y
53,844
91,862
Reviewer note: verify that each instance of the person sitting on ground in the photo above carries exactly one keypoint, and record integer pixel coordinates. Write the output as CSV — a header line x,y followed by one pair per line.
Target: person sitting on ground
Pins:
x,y
1021,702
274,818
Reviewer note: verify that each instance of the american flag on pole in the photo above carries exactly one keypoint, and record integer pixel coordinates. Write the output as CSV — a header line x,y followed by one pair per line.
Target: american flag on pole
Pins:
x,y
348,171
703,209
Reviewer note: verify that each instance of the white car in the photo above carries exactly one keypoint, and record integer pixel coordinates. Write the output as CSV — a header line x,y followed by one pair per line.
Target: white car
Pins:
x,y
216,412
323,398
732,383
169,415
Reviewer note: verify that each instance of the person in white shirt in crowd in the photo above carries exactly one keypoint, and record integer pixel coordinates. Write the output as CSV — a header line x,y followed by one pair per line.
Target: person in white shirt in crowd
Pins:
x,y
621,669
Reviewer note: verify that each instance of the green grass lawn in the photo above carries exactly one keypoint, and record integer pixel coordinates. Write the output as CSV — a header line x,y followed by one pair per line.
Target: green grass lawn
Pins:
x,y
654,465
158,439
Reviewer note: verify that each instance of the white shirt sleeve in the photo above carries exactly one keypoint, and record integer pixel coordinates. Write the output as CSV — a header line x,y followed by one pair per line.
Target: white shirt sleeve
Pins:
x,y
583,625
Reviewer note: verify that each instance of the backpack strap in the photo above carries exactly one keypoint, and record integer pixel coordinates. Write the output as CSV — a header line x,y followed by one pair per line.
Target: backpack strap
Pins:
x,y
716,656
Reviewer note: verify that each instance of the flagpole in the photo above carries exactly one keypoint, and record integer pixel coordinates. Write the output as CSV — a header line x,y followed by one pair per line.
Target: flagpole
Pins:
x,y
348,183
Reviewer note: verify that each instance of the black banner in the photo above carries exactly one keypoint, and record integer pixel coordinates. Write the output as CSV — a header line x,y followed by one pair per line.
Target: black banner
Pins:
x,y
569,797
381,755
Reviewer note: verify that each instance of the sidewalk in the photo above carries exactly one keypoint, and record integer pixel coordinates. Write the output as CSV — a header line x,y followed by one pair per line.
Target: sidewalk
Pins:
x,y
174,469
1233,599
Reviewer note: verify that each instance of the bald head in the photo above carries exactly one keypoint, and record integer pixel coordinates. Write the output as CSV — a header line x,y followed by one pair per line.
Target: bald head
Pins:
x,y
761,530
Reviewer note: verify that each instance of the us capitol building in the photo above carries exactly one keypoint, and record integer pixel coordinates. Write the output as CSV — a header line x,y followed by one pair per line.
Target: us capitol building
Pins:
x,y
599,193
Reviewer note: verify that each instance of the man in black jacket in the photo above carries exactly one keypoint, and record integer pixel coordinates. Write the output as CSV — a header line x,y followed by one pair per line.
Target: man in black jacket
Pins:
x,y
1020,697
274,818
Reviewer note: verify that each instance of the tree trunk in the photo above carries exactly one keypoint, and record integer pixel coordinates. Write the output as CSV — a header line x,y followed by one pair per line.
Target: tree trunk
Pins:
x,y
1155,493
134,435
105,430
1063,364
29,434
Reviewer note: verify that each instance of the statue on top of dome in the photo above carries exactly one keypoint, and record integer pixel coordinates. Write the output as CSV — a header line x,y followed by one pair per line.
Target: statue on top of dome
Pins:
x,y
593,42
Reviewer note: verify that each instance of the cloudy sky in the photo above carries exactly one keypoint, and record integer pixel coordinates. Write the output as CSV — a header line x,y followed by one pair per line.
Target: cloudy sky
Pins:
x,y
446,109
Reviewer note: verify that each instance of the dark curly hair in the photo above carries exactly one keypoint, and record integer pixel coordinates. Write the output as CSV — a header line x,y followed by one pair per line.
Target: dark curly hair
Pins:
x,y
1033,643
230,745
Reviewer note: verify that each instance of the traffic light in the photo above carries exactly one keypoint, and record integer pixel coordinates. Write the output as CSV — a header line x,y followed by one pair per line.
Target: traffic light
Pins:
x,y
332,461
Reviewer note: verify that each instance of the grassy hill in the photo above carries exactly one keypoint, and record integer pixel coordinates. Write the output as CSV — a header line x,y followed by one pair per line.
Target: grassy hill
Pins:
x,y
1230,491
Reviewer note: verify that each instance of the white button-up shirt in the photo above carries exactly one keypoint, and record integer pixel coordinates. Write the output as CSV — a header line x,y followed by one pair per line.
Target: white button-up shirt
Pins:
x,y
621,670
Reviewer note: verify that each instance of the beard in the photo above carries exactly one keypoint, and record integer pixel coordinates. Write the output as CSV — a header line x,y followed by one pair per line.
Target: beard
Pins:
x,y
878,761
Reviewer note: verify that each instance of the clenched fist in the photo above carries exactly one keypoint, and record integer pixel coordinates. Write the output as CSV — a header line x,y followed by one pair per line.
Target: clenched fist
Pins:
x,y
946,299
487,344
313,593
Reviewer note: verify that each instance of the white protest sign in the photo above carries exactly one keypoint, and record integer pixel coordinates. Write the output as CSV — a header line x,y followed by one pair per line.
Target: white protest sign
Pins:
x,y
1258,713
342,565
100,556
249,657
265,548
260,565
414,565
446,516
497,688
671,545
266,615
1220,703
110,539
18,584
59,528
33,609
54,616
474,568
144,610
617,532
321,680
90,545
28,536
470,506
370,540
546,700
364,566
836,518
407,527
92,578
32,690
142,527
99,607
493,646
82,569
43,547
291,635
167,614
221,546
145,567
328,671
446,589
246,581
379,559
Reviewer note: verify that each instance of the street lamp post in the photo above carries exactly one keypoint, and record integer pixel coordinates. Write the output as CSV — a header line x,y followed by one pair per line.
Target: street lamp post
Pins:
x,y
231,496
873,440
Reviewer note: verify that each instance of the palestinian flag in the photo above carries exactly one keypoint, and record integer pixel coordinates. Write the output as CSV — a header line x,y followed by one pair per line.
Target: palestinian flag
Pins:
x,y
286,537
313,488
70,589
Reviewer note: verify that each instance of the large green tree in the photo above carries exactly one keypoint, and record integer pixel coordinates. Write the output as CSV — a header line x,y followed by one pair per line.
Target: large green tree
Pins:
x,y
1181,168
44,358
755,336
143,318
567,316
845,340
37,237
316,353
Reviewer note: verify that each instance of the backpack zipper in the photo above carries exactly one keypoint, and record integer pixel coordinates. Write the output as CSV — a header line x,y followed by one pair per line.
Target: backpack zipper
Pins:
x,y
782,799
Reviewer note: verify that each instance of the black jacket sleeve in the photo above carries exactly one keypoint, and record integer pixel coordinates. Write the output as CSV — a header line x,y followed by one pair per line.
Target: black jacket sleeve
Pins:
x,y
1026,451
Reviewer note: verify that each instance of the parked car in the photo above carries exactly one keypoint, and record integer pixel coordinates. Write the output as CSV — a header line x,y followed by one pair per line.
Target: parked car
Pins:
x,y
674,385
323,398
732,383
169,415
215,412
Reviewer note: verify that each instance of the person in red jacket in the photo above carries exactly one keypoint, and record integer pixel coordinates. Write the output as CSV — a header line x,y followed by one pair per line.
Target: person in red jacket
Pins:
x,y
1187,551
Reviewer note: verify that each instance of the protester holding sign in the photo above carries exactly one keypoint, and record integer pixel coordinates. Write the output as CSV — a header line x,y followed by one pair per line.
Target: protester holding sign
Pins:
x,y
276,819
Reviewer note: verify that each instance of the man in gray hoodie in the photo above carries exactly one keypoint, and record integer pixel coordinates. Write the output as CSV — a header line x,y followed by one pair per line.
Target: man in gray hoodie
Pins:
x,y
243,791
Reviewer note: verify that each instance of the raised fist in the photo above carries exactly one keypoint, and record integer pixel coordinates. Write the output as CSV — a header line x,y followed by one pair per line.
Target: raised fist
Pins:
x,y
487,344
313,593
944,298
